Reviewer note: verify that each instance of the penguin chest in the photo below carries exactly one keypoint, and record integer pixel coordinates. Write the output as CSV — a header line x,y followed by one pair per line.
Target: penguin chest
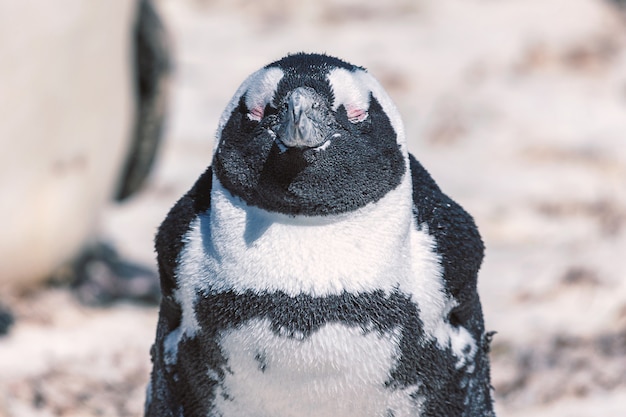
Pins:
x,y
338,370
276,355
235,246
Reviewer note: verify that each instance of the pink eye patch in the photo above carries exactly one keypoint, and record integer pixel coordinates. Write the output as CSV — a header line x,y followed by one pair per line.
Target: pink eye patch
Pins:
x,y
256,113
356,114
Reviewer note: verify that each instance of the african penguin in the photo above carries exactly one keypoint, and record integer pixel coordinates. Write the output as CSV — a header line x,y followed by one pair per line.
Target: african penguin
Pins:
x,y
316,269
83,105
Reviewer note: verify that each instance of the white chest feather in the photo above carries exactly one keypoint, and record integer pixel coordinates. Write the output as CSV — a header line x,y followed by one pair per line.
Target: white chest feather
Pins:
x,y
241,247
235,247
337,371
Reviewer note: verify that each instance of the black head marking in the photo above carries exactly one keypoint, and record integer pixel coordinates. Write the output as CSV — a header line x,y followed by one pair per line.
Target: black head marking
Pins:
x,y
361,163
309,70
301,61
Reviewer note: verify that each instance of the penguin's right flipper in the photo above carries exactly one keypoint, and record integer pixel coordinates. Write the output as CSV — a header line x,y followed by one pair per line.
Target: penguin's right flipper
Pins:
x,y
169,239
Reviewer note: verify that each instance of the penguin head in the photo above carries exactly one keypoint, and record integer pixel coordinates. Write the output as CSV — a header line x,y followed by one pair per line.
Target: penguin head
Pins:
x,y
310,135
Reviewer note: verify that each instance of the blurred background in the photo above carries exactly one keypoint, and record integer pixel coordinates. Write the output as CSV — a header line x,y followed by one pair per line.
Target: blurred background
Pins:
x,y
516,107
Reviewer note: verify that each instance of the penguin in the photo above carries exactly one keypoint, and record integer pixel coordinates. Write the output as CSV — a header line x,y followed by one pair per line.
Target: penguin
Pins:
x,y
315,268
84,105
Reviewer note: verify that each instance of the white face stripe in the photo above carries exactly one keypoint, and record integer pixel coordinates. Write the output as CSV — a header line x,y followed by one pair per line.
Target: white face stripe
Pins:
x,y
352,89
262,90
347,90
259,89
387,104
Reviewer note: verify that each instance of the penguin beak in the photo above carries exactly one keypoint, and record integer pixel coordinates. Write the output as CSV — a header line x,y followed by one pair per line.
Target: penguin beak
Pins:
x,y
305,122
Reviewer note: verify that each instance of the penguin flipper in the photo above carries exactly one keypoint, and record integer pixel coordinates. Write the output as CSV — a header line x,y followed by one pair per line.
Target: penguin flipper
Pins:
x,y
457,238
164,392
169,240
461,250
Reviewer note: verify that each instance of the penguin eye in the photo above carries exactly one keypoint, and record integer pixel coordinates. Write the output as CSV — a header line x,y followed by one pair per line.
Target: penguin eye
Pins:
x,y
356,115
256,113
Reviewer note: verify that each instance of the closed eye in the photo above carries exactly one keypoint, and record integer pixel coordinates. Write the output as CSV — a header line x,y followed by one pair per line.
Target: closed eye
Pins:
x,y
356,115
256,113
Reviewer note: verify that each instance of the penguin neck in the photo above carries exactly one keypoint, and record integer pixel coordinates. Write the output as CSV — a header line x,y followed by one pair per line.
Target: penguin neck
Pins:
x,y
359,251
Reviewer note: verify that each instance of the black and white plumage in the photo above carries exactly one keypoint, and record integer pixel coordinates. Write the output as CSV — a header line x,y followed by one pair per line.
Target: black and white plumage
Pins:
x,y
316,269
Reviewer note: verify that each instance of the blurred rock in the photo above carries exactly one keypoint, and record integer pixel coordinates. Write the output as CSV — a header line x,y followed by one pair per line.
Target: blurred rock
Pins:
x,y
100,276
564,366
6,320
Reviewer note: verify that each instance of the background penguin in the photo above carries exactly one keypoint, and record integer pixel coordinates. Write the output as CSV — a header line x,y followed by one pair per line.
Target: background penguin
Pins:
x,y
316,269
83,103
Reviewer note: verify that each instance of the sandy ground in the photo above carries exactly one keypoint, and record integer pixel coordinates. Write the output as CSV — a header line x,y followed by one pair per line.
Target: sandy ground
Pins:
x,y
518,109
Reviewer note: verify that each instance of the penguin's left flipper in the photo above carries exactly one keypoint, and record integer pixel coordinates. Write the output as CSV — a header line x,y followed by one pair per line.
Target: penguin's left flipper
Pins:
x,y
152,66
458,244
